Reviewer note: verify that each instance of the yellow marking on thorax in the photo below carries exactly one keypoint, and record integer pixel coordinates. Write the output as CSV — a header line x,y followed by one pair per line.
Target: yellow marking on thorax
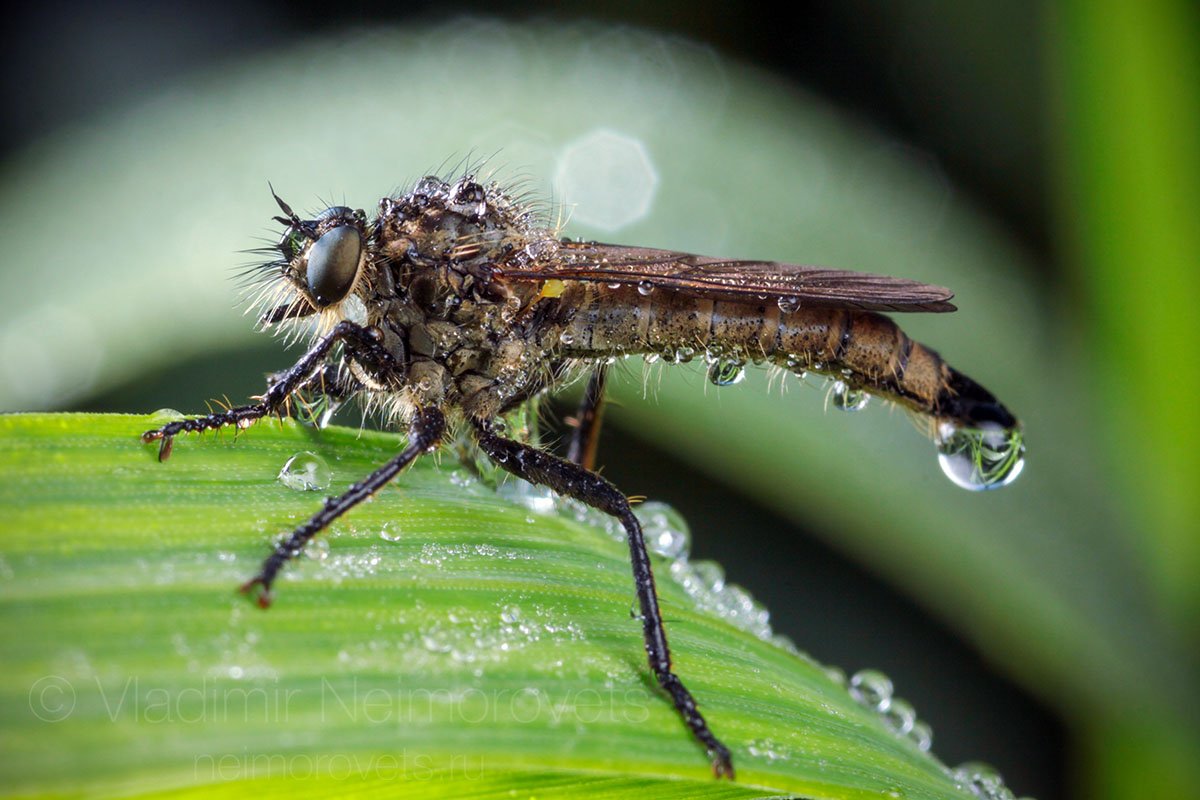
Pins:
x,y
552,288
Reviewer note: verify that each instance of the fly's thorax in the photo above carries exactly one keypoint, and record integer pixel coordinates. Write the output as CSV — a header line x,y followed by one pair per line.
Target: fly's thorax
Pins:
x,y
458,229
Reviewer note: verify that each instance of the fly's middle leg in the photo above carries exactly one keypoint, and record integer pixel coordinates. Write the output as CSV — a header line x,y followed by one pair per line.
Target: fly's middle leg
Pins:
x,y
361,341
424,434
573,480
586,436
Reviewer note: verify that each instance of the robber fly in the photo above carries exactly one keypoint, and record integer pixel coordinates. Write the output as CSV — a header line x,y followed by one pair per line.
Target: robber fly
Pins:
x,y
469,305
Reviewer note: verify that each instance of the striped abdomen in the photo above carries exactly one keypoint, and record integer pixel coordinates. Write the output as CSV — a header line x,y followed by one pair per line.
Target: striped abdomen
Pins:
x,y
864,349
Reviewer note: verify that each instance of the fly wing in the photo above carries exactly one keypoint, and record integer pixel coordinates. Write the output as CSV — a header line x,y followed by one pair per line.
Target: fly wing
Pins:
x,y
724,279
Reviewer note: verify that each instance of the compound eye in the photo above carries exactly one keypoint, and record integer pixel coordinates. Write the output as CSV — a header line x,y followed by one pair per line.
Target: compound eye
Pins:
x,y
333,264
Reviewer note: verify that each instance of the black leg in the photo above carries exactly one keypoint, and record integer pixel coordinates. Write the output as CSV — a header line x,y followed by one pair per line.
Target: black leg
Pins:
x,y
325,392
572,480
424,433
586,436
361,340
332,380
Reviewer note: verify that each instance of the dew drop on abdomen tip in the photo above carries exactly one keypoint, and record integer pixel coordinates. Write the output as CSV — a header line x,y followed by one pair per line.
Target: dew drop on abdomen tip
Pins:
x,y
987,456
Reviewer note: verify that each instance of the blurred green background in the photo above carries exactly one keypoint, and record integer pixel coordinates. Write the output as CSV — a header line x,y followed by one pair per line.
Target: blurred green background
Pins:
x,y
1041,159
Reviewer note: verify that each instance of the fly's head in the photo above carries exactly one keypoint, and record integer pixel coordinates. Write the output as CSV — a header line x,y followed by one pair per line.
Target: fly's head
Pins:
x,y
322,263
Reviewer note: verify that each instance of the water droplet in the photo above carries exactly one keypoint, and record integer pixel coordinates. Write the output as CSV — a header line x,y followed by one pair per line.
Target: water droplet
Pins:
x,y
710,575
326,414
684,354
511,614
665,530
462,479
651,358
737,606
767,749
306,472
317,549
165,415
836,674
785,642
726,372
982,780
847,399
986,457
871,688
436,640
789,304
645,288
539,499
567,338
921,735
390,532
900,716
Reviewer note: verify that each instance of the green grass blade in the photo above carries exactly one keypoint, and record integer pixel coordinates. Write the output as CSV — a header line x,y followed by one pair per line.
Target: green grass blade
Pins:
x,y
446,637
1127,114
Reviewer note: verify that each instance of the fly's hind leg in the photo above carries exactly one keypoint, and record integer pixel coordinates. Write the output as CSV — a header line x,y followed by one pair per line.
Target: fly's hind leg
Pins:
x,y
573,480
586,437
361,341
424,433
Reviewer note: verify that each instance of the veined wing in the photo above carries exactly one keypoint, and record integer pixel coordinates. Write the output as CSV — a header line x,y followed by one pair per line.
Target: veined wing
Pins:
x,y
725,279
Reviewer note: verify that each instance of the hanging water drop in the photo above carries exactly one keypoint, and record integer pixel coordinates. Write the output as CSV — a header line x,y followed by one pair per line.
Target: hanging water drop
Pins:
x,y
789,305
567,338
326,414
726,372
985,457
846,398
684,354
645,288
306,472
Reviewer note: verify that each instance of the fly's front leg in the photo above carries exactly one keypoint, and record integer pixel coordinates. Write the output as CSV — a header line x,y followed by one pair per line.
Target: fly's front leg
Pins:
x,y
331,380
363,342
572,480
424,434
586,437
